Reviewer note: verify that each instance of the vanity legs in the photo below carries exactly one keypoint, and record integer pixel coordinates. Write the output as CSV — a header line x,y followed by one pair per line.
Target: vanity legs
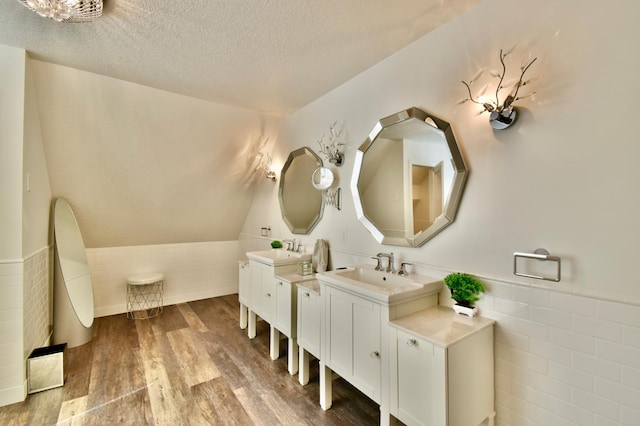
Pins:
x,y
251,327
244,312
326,391
292,350
274,343
292,356
303,370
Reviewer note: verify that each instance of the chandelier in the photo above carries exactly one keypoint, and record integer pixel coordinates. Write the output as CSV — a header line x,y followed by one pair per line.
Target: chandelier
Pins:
x,y
66,10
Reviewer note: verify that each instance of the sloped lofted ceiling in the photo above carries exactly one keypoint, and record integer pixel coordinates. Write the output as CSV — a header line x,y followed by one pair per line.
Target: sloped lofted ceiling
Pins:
x,y
152,115
274,56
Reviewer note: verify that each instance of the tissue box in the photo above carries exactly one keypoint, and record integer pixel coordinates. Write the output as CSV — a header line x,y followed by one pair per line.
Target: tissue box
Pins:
x,y
305,268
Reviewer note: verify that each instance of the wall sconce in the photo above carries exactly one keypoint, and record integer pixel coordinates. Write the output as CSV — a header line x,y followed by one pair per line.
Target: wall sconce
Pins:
x,y
333,150
501,114
66,10
264,166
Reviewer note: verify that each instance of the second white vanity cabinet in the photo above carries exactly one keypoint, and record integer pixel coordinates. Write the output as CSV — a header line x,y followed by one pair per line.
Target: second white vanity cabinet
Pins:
x,y
442,369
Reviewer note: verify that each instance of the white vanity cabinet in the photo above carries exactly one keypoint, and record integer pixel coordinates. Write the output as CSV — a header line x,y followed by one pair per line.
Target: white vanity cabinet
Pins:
x,y
441,369
355,337
284,317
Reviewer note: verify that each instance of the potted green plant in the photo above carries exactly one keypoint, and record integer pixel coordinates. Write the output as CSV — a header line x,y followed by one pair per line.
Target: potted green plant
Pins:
x,y
464,290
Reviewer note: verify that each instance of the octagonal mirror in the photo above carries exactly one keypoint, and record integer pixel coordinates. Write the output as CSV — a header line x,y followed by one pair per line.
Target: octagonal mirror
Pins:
x,y
300,203
408,178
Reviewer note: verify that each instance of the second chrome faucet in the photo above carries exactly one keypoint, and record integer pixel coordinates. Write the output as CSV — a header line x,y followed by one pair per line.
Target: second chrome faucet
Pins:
x,y
390,266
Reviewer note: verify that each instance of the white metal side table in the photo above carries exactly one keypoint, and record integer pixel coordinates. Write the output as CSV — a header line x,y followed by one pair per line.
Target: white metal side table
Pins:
x,y
144,295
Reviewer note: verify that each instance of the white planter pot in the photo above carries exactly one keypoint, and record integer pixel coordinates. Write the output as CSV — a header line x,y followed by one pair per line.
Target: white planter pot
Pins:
x,y
470,312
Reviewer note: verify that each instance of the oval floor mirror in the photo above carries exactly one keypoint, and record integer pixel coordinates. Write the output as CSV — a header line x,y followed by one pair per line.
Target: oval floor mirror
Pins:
x,y
73,289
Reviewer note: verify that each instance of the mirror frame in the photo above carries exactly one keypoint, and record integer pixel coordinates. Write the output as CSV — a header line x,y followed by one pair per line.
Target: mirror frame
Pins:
x,y
292,156
457,187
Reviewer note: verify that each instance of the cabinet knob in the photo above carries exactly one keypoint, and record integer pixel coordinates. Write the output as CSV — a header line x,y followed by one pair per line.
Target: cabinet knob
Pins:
x,y
268,294
280,283
307,295
375,354
412,342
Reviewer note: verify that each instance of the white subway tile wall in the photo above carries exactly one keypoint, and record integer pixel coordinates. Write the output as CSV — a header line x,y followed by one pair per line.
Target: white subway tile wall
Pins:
x,y
563,359
37,300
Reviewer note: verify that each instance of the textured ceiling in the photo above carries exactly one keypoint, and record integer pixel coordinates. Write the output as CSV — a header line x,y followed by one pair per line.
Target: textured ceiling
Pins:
x,y
273,56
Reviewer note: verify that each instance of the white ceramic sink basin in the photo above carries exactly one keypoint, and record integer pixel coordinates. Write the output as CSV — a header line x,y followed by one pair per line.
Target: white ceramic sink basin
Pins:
x,y
277,257
381,286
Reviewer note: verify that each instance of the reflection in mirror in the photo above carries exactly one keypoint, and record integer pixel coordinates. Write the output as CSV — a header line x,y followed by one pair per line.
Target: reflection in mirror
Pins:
x,y
301,204
73,296
408,178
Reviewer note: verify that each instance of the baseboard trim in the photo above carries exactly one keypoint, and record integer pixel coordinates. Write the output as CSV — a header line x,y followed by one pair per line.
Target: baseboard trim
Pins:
x,y
121,308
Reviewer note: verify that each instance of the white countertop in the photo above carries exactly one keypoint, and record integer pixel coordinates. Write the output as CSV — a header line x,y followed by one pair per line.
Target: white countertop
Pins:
x,y
440,325
312,286
294,277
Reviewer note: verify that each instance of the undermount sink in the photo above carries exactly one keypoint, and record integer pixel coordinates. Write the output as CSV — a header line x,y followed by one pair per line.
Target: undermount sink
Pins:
x,y
277,257
381,286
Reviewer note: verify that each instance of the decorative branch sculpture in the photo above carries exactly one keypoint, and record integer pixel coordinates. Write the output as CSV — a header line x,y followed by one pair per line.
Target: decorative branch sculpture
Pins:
x,y
333,150
502,115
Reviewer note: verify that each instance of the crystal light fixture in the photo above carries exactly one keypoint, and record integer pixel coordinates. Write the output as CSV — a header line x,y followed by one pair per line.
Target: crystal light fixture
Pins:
x,y
66,10
502,114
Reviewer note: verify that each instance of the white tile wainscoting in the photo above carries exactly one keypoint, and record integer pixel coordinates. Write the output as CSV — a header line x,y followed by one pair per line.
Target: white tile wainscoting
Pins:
x,y
563,359
25,315
192,271
38,299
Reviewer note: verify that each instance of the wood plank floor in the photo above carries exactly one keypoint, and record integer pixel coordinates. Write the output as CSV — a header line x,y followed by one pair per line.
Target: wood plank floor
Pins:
x,y
192,365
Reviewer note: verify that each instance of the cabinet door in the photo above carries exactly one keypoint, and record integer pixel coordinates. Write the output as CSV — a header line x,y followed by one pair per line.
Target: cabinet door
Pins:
x,y
268,304
283,311
421,379
353,333
244,284
367,360
255,272
309,321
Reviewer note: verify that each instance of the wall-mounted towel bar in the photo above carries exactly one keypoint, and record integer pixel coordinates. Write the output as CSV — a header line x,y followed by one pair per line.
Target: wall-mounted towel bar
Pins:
x,y
541,255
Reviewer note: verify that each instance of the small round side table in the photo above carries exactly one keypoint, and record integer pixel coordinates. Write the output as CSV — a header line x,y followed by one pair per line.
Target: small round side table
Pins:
x,y
144,295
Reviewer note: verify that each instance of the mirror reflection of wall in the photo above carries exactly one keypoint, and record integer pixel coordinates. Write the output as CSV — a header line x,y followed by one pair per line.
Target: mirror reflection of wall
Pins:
x,y
73,295
382,187
300,203
408,178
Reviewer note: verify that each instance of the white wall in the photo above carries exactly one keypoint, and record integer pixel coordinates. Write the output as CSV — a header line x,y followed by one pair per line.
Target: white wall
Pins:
x,y
561,178
192,271
25,284
141,166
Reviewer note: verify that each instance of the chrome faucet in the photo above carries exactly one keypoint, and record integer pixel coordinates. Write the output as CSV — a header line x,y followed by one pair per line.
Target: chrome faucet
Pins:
x,y
379,264
390,266
403,269
291,244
